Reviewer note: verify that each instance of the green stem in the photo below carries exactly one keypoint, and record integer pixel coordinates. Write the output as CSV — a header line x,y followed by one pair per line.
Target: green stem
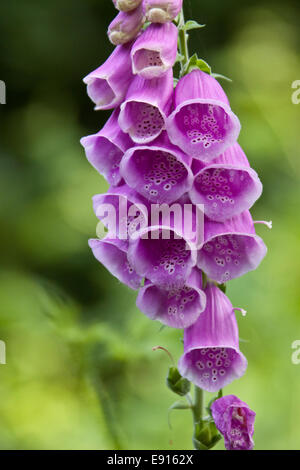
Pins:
x,y
198,405
183,42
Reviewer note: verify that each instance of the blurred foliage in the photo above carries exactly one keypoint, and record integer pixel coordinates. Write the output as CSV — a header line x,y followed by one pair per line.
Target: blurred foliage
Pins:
x,y
80,369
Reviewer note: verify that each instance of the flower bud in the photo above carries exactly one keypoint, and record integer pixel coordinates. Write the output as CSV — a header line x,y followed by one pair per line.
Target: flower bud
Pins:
x,y
126,5
161,11
176,383
126,26
205,435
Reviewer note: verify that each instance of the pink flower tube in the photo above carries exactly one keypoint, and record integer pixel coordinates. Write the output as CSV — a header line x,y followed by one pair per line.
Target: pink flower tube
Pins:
x,y
108,84
212,358
146,106
154,51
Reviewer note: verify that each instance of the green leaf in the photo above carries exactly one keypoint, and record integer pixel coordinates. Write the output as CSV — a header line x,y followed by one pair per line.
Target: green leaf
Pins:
x,y
192,25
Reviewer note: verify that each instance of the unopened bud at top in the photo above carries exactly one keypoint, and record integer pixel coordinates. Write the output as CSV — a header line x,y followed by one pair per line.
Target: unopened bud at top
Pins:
x,y
126,26
161,11
126,5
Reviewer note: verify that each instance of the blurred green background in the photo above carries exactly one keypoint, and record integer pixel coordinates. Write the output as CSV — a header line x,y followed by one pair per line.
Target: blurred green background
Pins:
x,y
80,370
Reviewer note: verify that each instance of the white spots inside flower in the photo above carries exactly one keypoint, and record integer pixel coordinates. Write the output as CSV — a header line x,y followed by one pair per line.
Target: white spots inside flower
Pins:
x,y
225,252
209,366
135,222
178,301
161,172
146,120
174,256
129,267
145,58
204,124
222,188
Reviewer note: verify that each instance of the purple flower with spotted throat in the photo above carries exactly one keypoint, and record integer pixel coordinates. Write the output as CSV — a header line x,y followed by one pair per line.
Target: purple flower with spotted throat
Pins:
x,y
235,420
161,11
231,248
202,124
160,172
107,85
226,186
166,251
143,113
212,358
178,307
154,51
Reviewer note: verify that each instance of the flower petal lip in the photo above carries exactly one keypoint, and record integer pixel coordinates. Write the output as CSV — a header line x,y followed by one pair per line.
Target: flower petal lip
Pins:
x,y
154,51
202,124
121,198
112,254
178,308
143,113
164,261
227,186
160,172
212,358
126,26
235,420
105,149
161,11
230,249
108,84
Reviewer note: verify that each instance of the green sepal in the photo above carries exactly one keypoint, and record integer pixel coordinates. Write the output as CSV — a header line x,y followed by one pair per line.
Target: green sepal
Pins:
x,y
191,24
208,408
222,287
221,77
194,63
177,383
206,435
